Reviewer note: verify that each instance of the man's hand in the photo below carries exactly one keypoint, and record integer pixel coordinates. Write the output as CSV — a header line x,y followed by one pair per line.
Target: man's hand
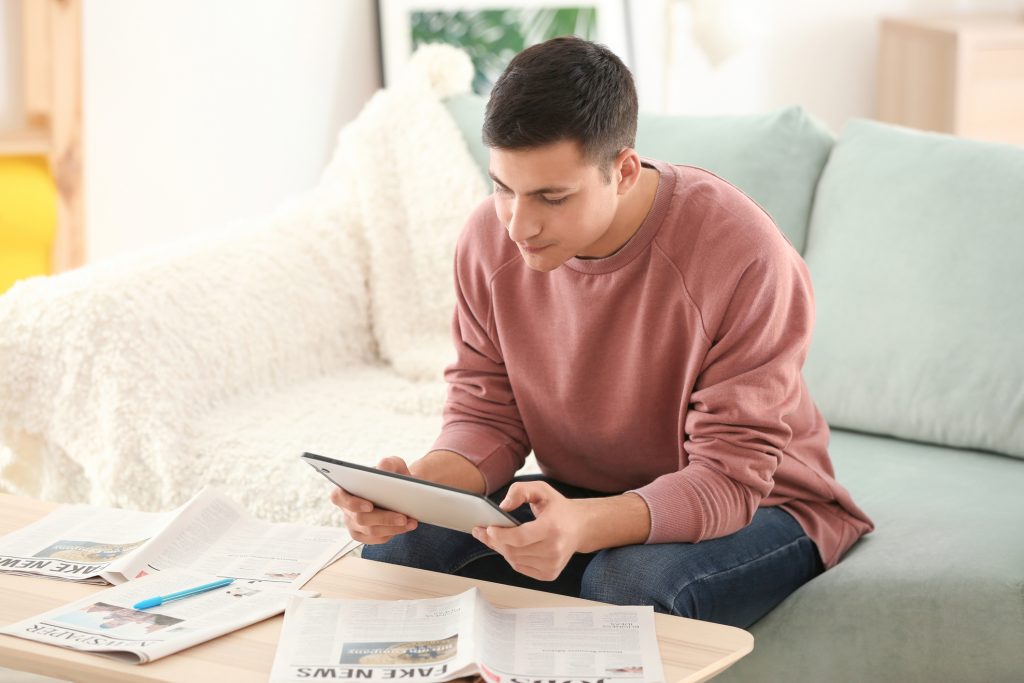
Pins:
x,y
372,525
542,548
369,524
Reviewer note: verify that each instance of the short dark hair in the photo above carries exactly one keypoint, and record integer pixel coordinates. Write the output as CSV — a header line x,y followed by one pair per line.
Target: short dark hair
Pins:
x,y
565,88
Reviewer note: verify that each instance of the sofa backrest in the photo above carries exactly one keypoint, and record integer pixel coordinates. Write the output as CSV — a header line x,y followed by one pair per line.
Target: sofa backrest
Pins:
x,y
776,158
916,247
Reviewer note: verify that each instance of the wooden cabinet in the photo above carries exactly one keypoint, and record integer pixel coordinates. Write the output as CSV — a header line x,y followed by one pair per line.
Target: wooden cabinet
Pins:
x,y
51,59
962,75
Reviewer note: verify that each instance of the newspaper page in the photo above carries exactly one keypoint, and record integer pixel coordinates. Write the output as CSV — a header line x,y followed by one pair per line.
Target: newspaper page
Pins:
x,y
445,638
79,542
106,623
215,535
210,533
596,644
377,640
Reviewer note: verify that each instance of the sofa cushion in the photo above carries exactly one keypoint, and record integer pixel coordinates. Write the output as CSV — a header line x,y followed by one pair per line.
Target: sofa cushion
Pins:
x,y
775,158
935,594
468,113
361,413
403,160
915,249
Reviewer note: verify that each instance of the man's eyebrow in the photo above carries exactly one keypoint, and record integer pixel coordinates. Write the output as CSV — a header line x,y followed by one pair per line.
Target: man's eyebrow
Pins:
x,y
541,190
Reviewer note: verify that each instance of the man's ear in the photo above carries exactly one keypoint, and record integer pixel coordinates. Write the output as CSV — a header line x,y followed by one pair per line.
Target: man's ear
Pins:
x,y
626,169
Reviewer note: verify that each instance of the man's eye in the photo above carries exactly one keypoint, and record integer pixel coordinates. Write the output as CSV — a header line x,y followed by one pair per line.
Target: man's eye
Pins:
x,y
555,202
502,190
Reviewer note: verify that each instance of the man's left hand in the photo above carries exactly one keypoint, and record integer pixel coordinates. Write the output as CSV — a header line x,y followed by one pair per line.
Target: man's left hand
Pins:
x,y
539,549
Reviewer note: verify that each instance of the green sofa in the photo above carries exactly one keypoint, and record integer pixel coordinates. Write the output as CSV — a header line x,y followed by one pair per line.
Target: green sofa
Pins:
x,y
915,242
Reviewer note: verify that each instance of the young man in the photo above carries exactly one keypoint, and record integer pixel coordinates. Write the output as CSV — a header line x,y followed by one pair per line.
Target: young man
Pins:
x,y
642,328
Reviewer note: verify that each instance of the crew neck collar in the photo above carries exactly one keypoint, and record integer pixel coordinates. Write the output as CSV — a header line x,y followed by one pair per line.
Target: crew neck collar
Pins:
x,y
644,234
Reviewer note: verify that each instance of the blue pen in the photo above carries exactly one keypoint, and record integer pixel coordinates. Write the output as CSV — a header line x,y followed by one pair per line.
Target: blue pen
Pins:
x,y
161,599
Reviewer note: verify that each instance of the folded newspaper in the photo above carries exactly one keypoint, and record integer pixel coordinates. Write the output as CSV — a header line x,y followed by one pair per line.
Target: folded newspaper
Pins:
x,y
444,638
105,622
210,534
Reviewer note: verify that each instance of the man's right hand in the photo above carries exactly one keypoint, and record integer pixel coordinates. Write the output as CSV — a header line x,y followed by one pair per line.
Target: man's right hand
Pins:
x,y
369,524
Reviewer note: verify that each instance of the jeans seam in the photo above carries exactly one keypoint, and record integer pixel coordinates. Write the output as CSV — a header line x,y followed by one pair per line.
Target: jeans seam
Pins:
x,y
709,575
473,558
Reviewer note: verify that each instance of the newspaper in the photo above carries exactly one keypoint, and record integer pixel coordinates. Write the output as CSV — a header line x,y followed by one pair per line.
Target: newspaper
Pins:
x,y
210,534
106,623
444,638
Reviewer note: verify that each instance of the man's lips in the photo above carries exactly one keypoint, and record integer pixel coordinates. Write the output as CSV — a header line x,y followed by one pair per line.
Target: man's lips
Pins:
x,y
533,250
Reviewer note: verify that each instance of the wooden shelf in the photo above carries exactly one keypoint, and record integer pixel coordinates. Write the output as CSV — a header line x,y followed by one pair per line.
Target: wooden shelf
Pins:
x,y
51,44
27,142
962,75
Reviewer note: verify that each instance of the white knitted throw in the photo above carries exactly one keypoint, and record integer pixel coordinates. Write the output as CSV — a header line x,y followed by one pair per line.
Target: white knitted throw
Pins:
x,y
324,327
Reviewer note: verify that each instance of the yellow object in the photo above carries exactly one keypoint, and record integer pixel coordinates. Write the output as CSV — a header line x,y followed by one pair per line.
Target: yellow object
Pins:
x,y
28,218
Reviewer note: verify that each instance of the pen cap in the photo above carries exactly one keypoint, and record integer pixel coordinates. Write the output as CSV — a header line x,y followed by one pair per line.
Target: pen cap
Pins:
x,y
149,602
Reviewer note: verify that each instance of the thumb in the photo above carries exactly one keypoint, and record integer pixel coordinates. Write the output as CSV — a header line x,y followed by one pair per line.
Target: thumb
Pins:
x,y
536,493
393,463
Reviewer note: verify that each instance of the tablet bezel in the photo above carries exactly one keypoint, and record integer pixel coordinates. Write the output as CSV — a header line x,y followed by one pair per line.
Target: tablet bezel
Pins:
x,y
427,492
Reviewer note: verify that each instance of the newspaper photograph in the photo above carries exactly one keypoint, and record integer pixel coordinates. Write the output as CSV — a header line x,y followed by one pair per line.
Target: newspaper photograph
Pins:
x,y
427,640
445,638
209,534
106,623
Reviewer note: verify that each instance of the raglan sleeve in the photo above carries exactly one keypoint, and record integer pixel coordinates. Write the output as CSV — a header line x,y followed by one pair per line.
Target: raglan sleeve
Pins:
x,y
750,382
481,418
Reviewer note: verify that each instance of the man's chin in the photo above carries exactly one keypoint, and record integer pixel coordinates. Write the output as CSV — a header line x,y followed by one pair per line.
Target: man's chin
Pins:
x,y
542,260
541,265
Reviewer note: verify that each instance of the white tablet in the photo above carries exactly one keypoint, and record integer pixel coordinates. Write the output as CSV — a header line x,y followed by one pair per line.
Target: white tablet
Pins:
x,y
421,500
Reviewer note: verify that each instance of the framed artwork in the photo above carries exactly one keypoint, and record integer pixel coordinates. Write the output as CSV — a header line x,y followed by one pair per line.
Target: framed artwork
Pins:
x,y
493,31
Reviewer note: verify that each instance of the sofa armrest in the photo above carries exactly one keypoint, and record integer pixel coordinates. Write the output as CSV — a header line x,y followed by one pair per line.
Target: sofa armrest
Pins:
x,y
125,355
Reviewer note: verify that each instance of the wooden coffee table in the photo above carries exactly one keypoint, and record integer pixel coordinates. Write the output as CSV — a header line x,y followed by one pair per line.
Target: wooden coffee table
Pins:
x,y
691,650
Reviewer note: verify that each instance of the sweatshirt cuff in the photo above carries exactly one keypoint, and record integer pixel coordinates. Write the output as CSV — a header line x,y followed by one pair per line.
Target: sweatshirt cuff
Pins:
x,y
677,513
495,459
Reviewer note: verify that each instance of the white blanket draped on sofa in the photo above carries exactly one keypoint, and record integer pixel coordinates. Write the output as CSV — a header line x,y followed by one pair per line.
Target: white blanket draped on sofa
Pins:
x,y
324,327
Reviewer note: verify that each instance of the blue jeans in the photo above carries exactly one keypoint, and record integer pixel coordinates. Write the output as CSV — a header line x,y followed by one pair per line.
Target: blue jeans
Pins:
x,y
733,580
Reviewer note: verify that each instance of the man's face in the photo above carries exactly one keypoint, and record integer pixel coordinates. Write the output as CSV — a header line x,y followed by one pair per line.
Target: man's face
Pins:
x,y
554,203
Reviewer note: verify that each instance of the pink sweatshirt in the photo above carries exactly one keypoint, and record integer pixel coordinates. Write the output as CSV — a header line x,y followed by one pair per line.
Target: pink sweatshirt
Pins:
x,y
671,368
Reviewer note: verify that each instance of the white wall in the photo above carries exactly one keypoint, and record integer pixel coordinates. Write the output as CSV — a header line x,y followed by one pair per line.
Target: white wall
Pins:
x,y
198,113
822,55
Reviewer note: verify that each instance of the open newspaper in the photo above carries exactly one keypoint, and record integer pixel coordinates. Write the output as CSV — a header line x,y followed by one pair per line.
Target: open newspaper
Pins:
x,y
210,534
444,638
106,623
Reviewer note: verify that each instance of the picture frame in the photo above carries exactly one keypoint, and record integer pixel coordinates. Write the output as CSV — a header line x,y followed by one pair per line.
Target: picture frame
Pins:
x,y
493,31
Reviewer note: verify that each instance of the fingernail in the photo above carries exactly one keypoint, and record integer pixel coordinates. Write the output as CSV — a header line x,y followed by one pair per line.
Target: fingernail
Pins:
x,y
400,521
365,507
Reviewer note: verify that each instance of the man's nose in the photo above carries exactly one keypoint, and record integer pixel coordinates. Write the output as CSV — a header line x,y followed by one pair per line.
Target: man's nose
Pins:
x,y
520,228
